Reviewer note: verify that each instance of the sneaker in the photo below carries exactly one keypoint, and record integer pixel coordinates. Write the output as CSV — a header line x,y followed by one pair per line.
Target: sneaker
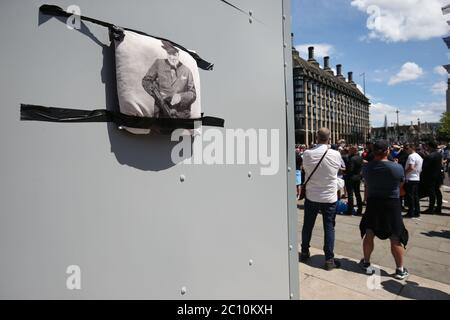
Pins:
x,y
400,275
332,264
367,267
408,216
304,256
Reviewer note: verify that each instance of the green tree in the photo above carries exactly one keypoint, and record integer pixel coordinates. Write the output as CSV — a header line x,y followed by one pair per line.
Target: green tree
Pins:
x,y
444,130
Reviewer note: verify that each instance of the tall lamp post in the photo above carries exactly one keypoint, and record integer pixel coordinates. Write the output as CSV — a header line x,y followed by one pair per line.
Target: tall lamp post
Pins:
x,y
398,126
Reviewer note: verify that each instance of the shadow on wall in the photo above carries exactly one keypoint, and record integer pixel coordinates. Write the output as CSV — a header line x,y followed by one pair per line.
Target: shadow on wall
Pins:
x,y
149,152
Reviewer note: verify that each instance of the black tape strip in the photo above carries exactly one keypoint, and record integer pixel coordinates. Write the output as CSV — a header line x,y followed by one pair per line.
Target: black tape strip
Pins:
x,y
59,12
29,112
234,6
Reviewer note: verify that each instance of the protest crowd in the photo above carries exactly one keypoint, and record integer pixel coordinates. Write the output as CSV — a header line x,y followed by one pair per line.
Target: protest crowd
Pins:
x,y
379,181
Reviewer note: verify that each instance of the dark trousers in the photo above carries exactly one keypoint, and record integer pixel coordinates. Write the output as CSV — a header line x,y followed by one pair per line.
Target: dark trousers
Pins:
x,y
328,211
354,187
435,194
412,196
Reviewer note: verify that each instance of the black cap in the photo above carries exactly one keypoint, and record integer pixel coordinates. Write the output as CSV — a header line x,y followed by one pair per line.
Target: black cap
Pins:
x,y
380,146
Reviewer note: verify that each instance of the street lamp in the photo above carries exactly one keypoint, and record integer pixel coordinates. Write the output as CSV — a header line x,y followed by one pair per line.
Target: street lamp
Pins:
x,y
398,126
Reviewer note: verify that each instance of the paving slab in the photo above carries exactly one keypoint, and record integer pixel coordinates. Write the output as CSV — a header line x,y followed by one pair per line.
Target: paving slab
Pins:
x,y
317,289
425,242
444,247
429,255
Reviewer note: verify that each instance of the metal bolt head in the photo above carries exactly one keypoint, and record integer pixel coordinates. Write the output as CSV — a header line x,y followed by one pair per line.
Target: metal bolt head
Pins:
x,y
250,20
182,178
250,13
291,247
249,174
291,296
250,262
183,290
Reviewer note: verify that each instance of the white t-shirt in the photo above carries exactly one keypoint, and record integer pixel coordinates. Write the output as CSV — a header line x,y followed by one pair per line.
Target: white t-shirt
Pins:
x,y
416,161
322,187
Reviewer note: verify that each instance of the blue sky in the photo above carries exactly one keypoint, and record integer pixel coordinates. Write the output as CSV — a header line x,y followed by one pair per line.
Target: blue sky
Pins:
x,y
397,43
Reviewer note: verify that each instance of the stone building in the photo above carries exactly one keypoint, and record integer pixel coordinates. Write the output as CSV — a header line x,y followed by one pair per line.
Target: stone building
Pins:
x,y
323,99
407,133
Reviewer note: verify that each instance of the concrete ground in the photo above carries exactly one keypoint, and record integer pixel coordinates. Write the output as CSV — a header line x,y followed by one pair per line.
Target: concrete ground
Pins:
x,y
427,259
349,283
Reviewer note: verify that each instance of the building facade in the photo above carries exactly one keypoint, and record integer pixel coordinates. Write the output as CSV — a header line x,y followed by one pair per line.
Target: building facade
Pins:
x,y
323,99
407,133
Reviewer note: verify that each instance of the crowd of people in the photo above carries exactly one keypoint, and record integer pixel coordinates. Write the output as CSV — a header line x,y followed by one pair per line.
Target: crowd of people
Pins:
x,y
395,177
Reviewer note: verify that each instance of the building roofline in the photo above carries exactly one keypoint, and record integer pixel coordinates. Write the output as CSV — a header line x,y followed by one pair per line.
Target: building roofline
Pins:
x,y
315,72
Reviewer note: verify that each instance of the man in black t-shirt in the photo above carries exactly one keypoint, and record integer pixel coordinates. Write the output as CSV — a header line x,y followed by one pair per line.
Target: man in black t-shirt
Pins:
x,y
383,218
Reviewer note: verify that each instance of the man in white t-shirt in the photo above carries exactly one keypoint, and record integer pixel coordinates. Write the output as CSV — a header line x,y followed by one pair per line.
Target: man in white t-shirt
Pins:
x,y
413,169
321,195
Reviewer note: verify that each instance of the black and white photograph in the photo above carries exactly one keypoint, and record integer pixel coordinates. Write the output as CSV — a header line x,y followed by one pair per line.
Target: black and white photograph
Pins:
x,y
156,79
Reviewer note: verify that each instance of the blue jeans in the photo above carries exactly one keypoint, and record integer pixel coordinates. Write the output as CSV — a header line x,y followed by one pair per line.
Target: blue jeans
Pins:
x,y
329,221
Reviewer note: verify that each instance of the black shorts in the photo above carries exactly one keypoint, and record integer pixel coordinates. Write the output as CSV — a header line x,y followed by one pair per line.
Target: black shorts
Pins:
x,y
383,217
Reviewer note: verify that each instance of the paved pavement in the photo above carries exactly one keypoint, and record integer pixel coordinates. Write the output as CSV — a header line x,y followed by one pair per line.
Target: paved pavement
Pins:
x,y
427,259
349,283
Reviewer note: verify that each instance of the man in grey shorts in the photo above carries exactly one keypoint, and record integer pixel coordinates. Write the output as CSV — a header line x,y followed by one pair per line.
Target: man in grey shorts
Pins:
x,y
383,217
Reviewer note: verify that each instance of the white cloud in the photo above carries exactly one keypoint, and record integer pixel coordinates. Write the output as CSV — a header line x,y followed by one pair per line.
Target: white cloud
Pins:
x,y
426,112
440,70
409,71
320,50
378,111
404,20
439,88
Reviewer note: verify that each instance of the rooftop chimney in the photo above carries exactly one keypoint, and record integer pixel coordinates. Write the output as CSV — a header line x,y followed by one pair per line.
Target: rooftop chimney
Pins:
x,y
326,65
339,72
310,53
311,57
350,77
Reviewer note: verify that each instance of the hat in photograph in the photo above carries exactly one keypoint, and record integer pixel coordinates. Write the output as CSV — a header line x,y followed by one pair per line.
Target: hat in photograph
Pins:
x,y
169,47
